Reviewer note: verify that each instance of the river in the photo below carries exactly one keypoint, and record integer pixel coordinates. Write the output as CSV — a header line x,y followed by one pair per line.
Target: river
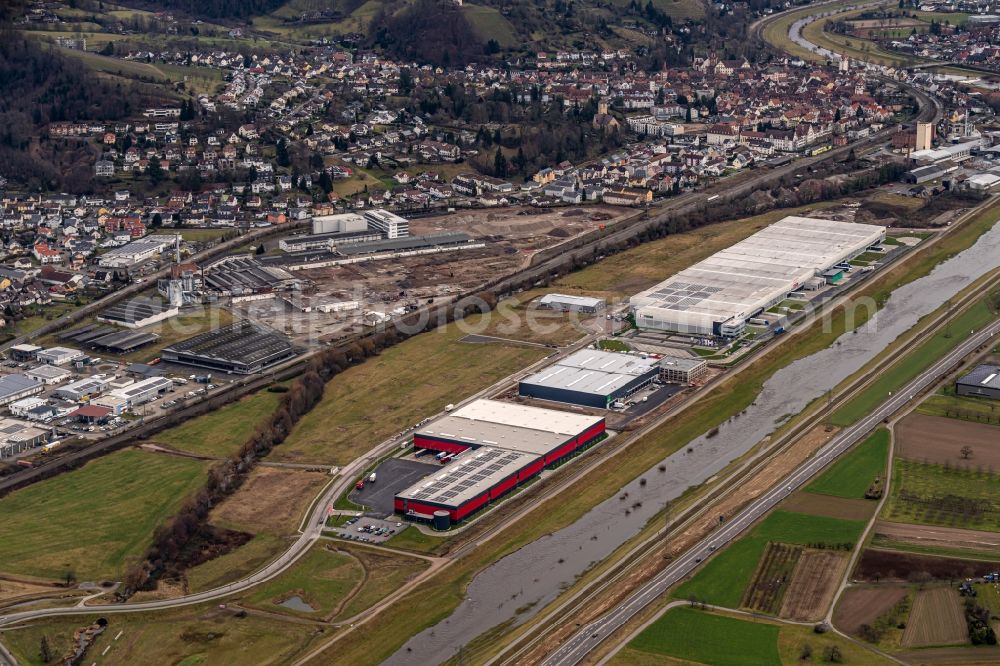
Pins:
x,y
533,576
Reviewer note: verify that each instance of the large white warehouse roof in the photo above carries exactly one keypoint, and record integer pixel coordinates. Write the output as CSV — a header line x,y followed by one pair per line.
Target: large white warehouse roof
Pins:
x,y
739,281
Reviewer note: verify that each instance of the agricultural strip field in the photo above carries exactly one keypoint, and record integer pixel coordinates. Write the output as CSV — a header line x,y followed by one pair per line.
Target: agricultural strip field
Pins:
x,y
948,405
938,440
813,584
329,581
409,381
924,536
864,605
852,475
828,505
222,432
909,366
91,520
724,578
686,635
767,589
936,619
944,495
710,639
876,565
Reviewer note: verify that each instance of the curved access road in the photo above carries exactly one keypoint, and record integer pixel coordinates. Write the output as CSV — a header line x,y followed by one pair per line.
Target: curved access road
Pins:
x,y
590,636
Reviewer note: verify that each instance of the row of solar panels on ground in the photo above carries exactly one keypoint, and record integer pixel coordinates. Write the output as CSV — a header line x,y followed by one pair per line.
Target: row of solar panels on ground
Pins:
x,y
109,338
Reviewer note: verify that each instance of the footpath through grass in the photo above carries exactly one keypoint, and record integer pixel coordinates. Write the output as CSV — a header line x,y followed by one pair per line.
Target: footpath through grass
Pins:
x,y
724,578
853,474
91,520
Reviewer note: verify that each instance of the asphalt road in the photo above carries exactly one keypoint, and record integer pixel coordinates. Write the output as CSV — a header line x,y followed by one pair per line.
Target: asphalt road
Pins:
x,y
590,636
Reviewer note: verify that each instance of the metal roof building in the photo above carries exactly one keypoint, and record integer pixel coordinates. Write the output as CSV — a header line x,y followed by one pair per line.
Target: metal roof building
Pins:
x,y
591,377
716,296
983,381
15,387
242,347
497,446
569,303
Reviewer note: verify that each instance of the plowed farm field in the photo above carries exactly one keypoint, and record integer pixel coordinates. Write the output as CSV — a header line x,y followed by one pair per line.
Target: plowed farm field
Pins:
x,y
862,605
936,619
813,584
939,440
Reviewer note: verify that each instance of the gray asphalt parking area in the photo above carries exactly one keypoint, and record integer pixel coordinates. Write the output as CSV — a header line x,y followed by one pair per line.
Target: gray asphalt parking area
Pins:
x,y
392,476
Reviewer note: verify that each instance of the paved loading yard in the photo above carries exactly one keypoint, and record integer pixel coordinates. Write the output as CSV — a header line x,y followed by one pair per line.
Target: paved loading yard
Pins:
x,y
391,476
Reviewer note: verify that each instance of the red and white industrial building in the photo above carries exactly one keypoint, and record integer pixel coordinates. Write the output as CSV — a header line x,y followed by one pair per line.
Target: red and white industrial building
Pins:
x,y
497,446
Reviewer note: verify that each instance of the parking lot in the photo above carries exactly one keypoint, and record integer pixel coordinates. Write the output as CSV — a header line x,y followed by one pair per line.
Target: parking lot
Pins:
x,y
369,530
392,476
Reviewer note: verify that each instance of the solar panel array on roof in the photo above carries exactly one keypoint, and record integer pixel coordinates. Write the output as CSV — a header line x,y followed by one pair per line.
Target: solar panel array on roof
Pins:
x,y
240,347
469,475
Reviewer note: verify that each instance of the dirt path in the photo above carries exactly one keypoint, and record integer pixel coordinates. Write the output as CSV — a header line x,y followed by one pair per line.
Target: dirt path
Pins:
x,y
948,537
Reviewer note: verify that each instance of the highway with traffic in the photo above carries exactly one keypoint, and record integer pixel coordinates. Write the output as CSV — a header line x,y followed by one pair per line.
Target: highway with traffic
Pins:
x,y
590,636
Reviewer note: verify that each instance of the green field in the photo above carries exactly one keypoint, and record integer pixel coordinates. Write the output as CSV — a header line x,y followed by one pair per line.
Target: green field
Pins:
x,y
724,578
336,581
92,520
223,431
407,382
710,639
852,475
246,559
488,23
928,494
949,405
914,362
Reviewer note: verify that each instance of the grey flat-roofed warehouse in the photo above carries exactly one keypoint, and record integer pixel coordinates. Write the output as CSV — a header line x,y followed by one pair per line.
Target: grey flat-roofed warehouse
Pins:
x,y
718,295
983,381
516,427
15,387
241,347
591,377
569,303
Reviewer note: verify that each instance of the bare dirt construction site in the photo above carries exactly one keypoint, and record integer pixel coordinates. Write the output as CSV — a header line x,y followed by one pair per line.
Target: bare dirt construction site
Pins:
x,y
862,605
939,440
936,619
525,228
943,537
814,582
